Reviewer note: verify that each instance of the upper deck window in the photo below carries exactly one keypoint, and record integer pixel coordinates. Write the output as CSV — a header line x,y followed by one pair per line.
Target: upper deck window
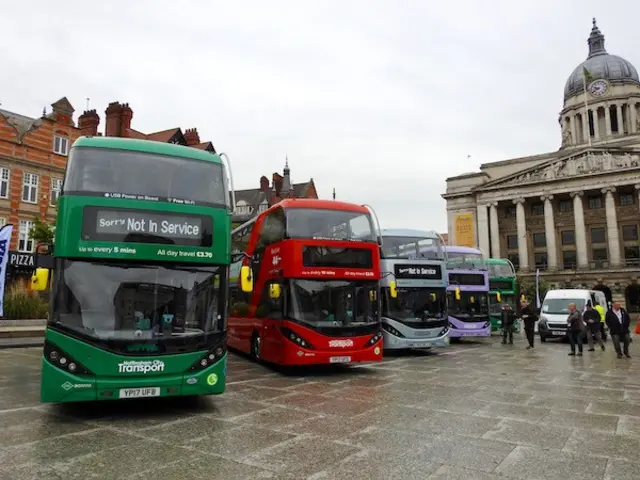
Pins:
x,y
106,171
329,224
466,261
498,270
412,247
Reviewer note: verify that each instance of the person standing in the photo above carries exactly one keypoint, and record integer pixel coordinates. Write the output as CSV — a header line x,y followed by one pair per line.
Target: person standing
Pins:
x,y
575,329
508,319
618,322
529,318
597,307
592,318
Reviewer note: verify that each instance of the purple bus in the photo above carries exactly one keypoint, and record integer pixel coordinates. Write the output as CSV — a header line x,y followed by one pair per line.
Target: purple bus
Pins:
x,y
467,293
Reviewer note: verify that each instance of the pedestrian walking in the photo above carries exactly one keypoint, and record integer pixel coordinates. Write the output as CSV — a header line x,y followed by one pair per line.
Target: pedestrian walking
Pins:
x,y
618,322
592,318
575,329
529,317
600,310
508,319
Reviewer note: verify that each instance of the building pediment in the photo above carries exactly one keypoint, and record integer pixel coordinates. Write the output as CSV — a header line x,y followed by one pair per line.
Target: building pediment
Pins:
x,y
584,163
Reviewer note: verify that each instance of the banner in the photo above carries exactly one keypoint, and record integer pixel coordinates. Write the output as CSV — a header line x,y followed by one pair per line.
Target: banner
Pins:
x,y
5,240
464,230
537,288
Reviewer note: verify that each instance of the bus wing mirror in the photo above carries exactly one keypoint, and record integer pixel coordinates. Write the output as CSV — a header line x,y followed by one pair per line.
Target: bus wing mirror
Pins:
x,y
523,298
274,291
246,279
499,297
457,294
433,297
40,279
393,289
372,295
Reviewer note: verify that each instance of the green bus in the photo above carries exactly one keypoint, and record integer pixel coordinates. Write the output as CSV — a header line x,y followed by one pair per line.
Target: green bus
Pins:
x,y
502,289
138,273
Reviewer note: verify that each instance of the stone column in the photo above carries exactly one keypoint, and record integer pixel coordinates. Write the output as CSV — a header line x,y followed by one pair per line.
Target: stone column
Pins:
x,y
619,116
495,230
521,222
550,232
633,116
574,132
607,119
580,231
596,127
613,238
585,127
483,229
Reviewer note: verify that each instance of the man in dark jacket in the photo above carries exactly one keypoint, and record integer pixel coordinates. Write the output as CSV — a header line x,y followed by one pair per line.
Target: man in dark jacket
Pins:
x,y
618,322
575,329
508,319
592,318
529,318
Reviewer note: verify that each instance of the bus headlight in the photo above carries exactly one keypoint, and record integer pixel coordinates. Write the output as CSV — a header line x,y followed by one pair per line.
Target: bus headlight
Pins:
x,y
64,361
375,339
295,338
209,358
393,331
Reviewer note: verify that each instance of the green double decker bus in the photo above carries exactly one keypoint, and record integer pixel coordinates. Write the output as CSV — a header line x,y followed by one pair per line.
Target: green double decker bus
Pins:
x,y
138,273
503,289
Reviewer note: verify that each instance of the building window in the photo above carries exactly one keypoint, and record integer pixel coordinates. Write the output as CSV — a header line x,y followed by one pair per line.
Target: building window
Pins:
x,y
568,237
541,260
598,235
632,255
3,222
56,188
510,212
539,240
5,175
626,199
565,205
30,187
25,242
537,209
629,233
60,145
595,202
569,259
515,259
599,254
512,242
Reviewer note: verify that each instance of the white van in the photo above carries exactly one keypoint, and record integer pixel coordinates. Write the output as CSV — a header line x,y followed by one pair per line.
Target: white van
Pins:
x,y
555,309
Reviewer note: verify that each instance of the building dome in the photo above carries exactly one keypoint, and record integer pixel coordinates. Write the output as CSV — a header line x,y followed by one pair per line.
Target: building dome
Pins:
x,y
600,65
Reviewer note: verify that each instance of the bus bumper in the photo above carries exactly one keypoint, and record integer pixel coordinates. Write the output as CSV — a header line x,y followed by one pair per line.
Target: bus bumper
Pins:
x,y
60,386
391,342
296,355
458,329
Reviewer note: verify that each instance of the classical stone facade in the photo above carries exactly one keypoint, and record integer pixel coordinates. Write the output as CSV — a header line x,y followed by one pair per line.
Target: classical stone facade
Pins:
x,y
574,213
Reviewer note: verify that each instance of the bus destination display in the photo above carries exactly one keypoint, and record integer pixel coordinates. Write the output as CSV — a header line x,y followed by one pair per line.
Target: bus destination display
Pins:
x,y
144,226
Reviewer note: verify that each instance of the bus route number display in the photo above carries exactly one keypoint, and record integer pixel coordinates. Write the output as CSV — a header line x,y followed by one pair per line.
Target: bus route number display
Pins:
x,y
143,226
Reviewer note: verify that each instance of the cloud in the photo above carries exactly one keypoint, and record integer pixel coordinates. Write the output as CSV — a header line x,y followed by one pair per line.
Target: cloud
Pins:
x,y
381,101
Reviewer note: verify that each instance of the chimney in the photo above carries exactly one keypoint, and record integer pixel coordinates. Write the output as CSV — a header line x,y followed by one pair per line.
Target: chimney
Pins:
x,y
125,120
191,136
264,184
114,119
277,183
88,123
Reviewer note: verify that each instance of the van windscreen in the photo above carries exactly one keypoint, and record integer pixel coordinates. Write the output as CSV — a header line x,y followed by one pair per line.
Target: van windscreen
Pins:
x,y
560,306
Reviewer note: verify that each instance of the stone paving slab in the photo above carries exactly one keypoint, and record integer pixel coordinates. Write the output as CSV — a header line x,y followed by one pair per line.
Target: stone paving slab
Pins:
x,y
477,410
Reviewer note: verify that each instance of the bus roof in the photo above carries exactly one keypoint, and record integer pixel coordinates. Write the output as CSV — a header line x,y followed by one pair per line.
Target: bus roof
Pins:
x,y
147,146
409,232
319,204
498,261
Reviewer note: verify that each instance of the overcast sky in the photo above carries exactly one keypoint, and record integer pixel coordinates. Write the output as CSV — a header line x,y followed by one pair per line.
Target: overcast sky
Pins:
x,y
381,100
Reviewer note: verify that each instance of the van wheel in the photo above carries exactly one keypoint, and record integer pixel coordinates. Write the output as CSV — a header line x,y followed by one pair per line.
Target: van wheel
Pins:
x,y
255,346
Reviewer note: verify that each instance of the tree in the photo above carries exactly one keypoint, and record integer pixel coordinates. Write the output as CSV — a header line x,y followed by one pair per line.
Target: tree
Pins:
x,y
42,231
528,289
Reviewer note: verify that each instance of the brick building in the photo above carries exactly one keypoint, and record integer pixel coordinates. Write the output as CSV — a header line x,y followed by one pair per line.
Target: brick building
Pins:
x,y
253,201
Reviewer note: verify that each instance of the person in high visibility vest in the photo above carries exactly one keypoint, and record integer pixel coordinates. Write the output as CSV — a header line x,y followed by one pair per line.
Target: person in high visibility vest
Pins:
x,y
598,308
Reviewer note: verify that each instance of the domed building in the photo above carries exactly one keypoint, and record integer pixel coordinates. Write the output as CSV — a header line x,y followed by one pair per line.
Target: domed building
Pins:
x,y
573,214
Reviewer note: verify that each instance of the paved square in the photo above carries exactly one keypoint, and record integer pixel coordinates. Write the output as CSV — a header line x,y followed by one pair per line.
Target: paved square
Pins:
x,y
473,411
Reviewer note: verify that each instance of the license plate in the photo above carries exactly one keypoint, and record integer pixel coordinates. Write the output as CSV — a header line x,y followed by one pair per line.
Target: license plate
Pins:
x,y
339,359
139,392
558,334
466,325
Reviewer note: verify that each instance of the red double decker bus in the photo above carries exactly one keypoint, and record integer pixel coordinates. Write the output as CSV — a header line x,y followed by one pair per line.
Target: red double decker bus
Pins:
x,y
305,284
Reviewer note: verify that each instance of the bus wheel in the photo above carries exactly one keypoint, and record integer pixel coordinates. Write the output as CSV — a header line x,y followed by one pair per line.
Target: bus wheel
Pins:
x,y
255,347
